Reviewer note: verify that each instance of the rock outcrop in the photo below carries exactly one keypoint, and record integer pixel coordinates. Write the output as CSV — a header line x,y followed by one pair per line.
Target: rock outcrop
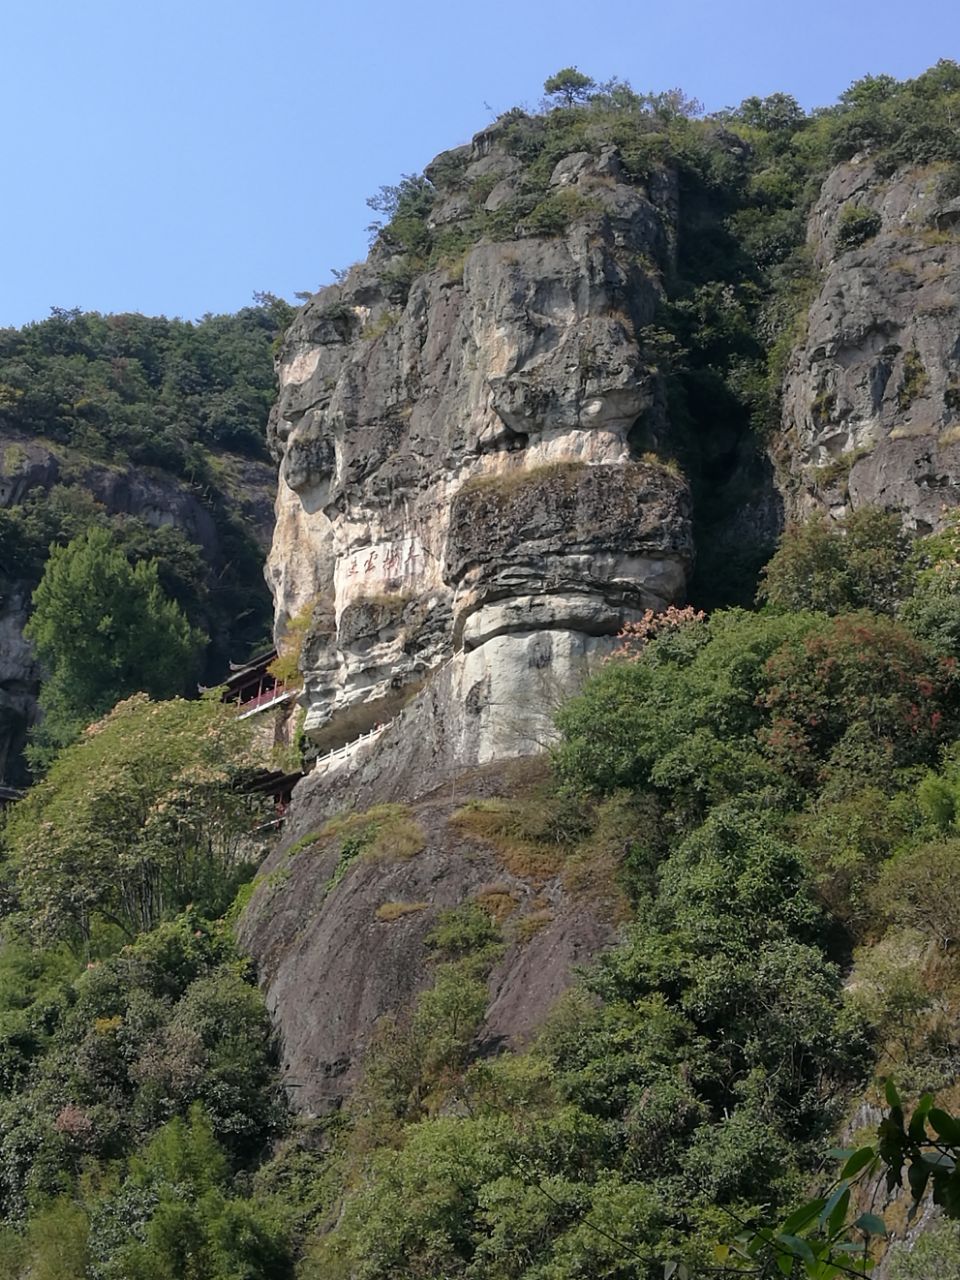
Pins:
x,y
871,409
467,514
459,479
336,954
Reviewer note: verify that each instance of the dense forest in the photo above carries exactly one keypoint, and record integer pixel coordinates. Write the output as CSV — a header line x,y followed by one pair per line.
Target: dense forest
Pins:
x,y
181,408
767,798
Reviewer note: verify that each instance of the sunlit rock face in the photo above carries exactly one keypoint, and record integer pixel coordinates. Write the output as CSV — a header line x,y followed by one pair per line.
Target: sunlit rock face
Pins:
x,y
458,480
871,406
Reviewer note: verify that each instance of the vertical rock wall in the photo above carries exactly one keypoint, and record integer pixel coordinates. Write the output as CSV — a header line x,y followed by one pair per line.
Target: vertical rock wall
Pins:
x,y
871,411
457,469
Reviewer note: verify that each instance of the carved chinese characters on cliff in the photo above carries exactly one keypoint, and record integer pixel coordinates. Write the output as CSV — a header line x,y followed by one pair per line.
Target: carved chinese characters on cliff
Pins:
x,y
380,567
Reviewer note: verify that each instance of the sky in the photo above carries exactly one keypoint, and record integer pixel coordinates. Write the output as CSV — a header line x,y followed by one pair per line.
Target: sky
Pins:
x,y
176,156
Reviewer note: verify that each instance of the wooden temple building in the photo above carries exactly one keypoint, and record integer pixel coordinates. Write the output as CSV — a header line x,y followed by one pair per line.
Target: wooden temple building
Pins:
x,y
253,688
254,691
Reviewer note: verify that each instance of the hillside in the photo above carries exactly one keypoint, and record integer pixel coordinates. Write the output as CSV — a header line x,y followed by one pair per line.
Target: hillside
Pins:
x,y
154,429
616,545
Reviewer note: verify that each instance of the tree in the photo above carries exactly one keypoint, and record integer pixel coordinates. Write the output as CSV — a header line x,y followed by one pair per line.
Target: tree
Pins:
x,y
777,113
857,698
862,562
138,818
568,86
103,630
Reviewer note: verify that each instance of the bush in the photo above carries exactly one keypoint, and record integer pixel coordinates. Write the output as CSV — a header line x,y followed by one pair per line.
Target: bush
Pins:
x,y
857,698
935,1252
861,562
856,226
682,718
920,888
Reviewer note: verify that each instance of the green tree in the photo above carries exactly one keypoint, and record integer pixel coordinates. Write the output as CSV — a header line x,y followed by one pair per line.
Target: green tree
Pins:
x,y
856,698
173,1218
136,819
861,562
932,611
103,629
568,86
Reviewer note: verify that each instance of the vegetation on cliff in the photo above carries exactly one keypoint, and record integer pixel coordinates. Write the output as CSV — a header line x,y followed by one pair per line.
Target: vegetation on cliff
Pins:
x,y
774,795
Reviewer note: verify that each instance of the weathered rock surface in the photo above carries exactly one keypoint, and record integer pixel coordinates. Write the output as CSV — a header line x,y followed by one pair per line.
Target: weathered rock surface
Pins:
x,y
466,513
331,967
872,396
457,471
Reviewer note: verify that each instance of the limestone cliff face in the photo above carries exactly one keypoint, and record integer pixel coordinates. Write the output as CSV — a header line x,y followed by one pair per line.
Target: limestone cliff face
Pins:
x,y
458,479
871,410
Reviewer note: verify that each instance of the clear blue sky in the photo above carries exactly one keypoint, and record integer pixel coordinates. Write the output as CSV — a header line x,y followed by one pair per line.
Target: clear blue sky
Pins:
x,y
173,156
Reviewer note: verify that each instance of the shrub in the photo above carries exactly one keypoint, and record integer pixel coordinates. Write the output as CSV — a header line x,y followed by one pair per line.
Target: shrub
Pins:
x,y
914,380
856,226
920,888
556,211
860,696
462,931
861,562
935,1252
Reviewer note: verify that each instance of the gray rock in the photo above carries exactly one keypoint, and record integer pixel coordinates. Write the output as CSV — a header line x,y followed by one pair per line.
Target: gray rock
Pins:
x,y
505,191
389,412
876,383
331,968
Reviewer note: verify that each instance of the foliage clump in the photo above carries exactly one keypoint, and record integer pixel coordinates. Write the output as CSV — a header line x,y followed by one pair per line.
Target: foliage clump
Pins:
x,y
134,821
856,226
103,630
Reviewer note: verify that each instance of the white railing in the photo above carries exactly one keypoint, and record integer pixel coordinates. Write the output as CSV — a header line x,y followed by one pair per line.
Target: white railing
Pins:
x,y
246,710
348,747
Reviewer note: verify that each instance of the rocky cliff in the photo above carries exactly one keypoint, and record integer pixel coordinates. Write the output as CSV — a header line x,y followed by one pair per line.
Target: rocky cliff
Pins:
x,y
871,404
478,489
459,473
31,468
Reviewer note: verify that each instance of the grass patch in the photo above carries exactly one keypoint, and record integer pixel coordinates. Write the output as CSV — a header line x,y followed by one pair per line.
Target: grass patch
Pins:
x,y
505,484
390,911
498,901
394,600
670,465
837,471
914,380
529,926
912,430
384,833
501,824
304,842
380,325
857,225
